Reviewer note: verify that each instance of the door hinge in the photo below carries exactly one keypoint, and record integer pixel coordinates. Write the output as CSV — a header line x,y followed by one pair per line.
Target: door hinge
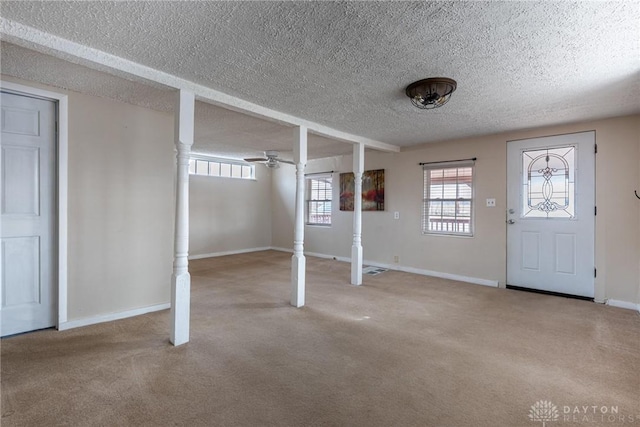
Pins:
x,y
596,149
595,272
595,210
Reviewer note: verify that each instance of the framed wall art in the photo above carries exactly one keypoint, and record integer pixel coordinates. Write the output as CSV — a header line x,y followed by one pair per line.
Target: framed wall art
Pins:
x,y
372,190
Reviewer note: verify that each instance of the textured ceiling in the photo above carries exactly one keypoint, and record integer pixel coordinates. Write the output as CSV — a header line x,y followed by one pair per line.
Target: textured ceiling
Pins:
x,y
219,131
345,64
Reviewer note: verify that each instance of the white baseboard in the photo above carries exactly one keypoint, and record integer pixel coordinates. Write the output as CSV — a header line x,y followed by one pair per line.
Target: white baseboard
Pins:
x,y
277,248
224,253
112,316
459,278
623,304
337,258
450,276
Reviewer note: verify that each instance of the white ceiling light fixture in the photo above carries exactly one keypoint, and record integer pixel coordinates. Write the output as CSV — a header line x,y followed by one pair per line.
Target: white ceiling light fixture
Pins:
x,y
431,93
270,159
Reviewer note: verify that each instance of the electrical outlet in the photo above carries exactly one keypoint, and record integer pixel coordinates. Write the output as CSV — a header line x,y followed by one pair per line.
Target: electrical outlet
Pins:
x,y
491,203
396,215
396,259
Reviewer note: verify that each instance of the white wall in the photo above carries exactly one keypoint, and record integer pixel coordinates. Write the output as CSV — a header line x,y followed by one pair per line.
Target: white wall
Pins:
x,y
283,191
228,215
484,255
121,207
617,223
121,204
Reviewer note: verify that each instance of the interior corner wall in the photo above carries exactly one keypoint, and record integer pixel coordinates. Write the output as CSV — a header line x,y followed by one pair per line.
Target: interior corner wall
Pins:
x,y
229,215
283,190
484,255
121,205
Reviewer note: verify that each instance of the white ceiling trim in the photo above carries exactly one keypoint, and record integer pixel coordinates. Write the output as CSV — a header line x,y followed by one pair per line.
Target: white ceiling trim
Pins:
x,y
29,37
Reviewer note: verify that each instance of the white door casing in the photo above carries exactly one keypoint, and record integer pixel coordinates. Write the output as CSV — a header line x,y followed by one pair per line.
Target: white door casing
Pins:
x,y
551,213
28,206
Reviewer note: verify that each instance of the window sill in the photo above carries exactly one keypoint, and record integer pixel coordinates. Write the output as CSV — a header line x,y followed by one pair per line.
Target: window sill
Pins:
x,y
431,233
191,175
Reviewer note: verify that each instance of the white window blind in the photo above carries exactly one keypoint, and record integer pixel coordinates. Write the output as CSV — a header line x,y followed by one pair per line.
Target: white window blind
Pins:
x,y
448,198
319,199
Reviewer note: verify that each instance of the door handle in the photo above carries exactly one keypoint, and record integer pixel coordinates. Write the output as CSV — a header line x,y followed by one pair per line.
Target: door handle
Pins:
x,y
511,222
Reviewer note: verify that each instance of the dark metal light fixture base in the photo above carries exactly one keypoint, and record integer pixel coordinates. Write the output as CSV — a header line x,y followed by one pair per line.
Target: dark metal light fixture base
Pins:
x,y
431,93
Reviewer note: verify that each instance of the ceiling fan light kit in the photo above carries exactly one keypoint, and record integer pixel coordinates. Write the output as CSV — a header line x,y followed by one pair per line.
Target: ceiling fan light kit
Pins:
x,y
431,93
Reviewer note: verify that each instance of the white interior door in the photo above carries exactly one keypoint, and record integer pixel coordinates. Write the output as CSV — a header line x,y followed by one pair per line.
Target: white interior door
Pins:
x,y
28,159
551,213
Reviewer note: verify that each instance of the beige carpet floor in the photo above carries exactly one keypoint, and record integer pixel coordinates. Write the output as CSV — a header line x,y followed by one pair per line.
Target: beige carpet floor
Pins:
x,y
402,350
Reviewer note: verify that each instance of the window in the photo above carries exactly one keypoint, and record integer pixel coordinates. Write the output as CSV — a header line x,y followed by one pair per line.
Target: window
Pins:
x,y
448,198
549,183
225,168
319,192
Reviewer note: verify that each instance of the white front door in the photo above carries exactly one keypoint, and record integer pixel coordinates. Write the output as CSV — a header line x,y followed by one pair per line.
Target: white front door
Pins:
x,y
551,213
28,211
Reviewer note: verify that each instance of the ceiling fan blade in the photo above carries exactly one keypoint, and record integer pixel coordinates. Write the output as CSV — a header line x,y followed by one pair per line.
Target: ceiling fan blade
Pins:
x,y
286,161
255,159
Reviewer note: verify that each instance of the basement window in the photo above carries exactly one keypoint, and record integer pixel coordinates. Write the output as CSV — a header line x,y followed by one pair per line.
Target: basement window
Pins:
x,y
319,199
219,167
448,198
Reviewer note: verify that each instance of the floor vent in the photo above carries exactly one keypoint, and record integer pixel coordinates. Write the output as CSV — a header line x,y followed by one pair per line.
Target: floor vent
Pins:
x,y
373,271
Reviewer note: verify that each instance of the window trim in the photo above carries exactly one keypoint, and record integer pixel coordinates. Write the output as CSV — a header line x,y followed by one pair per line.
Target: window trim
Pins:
x,y
308,178
426,199
222,160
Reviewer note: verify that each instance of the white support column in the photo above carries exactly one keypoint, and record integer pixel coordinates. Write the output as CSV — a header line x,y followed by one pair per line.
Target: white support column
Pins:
x,y
298,262
181,280
356,249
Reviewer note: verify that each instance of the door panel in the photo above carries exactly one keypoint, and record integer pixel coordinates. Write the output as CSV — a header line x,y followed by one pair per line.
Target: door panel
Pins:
x,y
27,198
21,121
531,251
551,224
20,258
565,253
20,183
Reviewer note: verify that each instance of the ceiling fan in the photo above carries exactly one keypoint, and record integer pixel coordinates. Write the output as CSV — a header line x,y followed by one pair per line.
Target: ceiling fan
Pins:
x,y
270,159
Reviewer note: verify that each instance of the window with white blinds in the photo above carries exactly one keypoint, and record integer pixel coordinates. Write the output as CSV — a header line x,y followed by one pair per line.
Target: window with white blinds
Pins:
x,y
448,198
319,199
